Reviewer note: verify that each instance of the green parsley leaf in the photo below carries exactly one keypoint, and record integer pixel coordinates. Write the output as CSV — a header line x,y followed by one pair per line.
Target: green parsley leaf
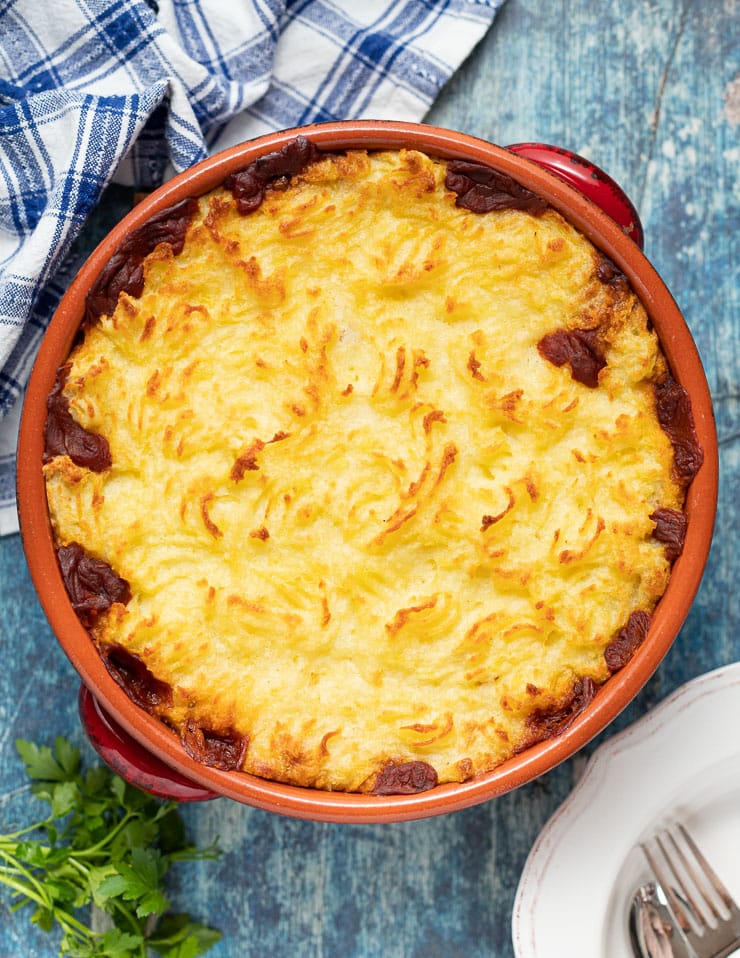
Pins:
x,y
40,762
119,944
105,844
178,935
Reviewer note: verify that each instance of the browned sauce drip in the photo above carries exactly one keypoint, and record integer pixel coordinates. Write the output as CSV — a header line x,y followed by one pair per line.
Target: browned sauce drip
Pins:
x,y
124,272
481,189
578,348
92,585
675,416
407,778
64,436
141,686
670,528
548,723
609,274
274,169
224,750
621,649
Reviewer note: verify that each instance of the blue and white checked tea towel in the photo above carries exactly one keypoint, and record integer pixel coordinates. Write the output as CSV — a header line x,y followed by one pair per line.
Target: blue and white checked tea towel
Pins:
x,y
135,90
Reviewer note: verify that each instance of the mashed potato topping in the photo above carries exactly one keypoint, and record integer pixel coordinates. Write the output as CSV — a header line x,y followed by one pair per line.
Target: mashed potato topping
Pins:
x,y
365,522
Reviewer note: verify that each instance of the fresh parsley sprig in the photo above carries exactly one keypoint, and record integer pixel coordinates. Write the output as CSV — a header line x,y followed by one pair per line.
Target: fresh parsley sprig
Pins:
x,y
104,844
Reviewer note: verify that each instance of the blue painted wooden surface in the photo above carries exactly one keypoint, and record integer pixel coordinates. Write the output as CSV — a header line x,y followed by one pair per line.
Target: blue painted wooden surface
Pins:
x,y
649,90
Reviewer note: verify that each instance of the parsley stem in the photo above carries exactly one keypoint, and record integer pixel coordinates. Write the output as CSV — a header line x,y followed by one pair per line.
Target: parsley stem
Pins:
x,y
33,891
92,850
127,914
12,837
16,867
192,854
22,888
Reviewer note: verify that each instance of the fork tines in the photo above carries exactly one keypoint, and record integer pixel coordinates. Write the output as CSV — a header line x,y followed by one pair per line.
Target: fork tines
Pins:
x,y
701,905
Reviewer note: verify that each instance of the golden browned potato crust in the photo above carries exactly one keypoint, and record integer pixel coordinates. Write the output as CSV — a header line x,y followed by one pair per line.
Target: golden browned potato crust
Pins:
x,y
364,520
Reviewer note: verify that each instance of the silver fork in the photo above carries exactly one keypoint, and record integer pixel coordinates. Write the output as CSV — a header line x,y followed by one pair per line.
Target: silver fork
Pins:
x,y
702,907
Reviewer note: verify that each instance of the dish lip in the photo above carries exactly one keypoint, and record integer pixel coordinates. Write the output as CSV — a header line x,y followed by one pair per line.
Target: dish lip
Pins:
x,y
609,700
697,692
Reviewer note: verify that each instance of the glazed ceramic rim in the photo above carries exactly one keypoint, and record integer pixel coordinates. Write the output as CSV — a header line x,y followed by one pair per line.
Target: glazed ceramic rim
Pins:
x,y
609,700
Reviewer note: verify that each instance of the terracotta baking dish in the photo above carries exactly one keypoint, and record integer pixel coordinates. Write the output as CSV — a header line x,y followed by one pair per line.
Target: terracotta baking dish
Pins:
x,y
140,746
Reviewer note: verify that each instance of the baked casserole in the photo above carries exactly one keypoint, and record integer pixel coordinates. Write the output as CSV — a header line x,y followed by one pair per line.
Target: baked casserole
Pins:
x,y
366,470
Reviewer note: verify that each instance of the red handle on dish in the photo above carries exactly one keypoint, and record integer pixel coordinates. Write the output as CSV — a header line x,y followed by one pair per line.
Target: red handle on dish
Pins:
x,y
120,750
588,179
127,758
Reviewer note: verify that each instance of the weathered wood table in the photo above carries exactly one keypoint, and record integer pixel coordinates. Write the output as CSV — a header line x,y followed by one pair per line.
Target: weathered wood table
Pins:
x,y
650,91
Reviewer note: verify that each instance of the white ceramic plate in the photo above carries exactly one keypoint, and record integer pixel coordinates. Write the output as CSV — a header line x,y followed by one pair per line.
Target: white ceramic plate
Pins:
x,y
680,762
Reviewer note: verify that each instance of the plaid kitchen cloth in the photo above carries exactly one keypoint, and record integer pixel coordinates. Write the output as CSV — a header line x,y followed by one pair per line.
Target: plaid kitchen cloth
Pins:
x,y
135,90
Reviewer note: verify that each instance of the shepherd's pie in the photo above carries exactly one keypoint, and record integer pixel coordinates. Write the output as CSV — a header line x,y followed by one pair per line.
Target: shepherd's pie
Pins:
x,y
366,471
